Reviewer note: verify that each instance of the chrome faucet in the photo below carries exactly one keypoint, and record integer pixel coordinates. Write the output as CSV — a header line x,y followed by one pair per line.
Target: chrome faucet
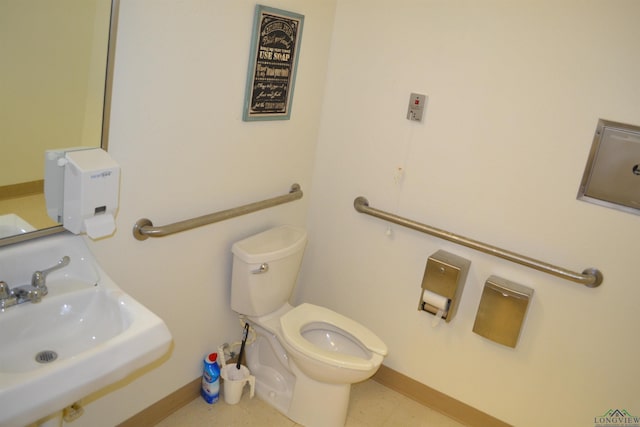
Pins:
x,y
32,292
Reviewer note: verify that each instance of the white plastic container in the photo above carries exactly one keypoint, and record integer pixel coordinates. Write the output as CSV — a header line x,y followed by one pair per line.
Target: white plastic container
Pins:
x,y
234,380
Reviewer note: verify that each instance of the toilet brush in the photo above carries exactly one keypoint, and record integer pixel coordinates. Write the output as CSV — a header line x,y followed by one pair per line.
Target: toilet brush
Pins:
x,y
244,341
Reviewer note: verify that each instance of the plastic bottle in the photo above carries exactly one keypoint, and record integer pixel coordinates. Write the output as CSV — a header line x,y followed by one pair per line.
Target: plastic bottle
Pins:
x,y
210,389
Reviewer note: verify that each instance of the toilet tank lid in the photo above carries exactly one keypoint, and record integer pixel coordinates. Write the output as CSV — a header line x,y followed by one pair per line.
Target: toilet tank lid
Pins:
x,y
271,244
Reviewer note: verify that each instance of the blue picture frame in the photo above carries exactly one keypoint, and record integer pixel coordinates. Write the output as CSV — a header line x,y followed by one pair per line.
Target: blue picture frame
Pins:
x,y
273,62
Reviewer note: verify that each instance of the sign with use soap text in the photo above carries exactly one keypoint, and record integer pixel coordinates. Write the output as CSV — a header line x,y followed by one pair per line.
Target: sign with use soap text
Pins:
x,y
272,64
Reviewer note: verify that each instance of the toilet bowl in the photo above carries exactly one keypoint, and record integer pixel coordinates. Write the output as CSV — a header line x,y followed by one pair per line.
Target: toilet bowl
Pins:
x,y
330,347
304,358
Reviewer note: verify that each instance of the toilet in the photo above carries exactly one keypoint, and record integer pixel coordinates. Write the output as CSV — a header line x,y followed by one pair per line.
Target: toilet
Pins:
x,y
304,358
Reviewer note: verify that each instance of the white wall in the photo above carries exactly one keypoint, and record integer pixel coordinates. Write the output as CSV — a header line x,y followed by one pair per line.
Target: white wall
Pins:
x,y
176,131
515,91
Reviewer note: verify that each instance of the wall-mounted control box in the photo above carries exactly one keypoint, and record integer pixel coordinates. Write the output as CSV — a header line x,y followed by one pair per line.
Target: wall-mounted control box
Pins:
x,y
612,175
417,105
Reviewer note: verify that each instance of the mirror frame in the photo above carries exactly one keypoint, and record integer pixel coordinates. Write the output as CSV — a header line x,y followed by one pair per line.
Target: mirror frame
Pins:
x,y
106,116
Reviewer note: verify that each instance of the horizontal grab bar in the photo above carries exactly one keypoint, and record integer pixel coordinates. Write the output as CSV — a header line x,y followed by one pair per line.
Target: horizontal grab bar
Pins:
x,y
590,277
144,228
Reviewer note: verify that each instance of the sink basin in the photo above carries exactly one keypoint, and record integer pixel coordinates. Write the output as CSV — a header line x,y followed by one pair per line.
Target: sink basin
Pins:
x,y
12,224
85,334
63,326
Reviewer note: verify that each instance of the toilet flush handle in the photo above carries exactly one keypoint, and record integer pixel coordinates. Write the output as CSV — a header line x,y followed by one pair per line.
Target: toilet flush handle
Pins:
x,y
264,267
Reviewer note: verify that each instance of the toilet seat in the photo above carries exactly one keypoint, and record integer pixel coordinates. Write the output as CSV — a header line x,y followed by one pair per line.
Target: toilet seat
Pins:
x,y
293,322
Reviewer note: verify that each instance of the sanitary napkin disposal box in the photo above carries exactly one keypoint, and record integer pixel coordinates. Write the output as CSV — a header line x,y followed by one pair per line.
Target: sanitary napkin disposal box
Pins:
x,y
502,310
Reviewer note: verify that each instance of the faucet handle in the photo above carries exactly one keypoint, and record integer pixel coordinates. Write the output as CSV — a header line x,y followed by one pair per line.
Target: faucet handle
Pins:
x,y
5,291
38,278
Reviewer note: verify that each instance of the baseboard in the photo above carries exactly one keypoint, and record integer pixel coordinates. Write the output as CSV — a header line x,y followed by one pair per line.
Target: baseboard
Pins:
x,y
163,408
394,380
435,400
21,189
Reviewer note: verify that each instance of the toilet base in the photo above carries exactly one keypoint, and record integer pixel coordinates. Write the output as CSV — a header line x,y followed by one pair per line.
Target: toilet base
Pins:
x,y
281,384
267,362
316,404
275,395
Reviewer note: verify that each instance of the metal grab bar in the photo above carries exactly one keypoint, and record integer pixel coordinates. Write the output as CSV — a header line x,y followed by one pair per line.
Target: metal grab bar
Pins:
x,y
591,277
144,228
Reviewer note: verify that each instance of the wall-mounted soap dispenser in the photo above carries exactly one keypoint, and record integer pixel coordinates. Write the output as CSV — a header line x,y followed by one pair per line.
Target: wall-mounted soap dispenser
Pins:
x,y
444,278
81,190
502,310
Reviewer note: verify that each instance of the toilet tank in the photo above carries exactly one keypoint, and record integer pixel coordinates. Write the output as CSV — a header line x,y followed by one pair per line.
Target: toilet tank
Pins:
x,y
265,269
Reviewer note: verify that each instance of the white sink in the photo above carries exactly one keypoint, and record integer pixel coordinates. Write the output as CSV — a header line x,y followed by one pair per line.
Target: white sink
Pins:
x,y
12,224
88,332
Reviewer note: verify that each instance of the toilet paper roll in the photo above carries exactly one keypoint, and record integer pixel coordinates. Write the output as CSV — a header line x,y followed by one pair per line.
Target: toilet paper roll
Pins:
x,y
437,302
100,225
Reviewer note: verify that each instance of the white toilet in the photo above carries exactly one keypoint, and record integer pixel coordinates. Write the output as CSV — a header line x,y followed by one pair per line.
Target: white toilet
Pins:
x,y
304,358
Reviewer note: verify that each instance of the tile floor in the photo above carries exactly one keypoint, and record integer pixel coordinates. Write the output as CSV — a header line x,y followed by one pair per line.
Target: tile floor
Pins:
x,y
372,405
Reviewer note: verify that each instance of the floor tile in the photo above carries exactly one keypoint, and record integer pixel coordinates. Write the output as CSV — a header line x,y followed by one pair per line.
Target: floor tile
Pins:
x,y
371,405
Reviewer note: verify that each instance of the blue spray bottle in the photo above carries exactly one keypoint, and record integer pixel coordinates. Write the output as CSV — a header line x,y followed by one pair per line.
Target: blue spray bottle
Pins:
x,y
210,389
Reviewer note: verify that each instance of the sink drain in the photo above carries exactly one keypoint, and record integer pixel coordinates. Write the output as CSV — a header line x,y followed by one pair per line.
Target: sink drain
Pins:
x,y
46,356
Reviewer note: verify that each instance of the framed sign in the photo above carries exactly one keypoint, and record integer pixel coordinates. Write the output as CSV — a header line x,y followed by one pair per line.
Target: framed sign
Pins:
x,y
273,61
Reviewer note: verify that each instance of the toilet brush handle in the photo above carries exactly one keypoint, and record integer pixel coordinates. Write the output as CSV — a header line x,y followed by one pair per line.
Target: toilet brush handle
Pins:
x,y
244,341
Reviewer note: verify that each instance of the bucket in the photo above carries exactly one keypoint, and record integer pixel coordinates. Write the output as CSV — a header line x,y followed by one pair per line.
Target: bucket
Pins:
x,y
234,381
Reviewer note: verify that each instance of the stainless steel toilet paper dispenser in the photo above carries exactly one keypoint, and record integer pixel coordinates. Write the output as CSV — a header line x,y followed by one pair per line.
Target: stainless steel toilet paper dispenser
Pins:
x,y
444,278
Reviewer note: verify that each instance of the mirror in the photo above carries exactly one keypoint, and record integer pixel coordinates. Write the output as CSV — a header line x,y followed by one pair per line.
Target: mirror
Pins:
x,y
55,86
